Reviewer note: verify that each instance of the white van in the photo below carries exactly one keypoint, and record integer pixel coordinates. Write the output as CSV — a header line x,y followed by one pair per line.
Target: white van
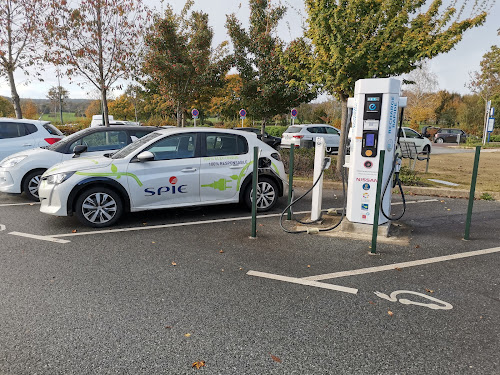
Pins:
x,y
97,121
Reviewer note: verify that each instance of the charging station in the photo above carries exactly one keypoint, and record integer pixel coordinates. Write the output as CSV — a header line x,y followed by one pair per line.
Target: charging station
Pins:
x,y
374,128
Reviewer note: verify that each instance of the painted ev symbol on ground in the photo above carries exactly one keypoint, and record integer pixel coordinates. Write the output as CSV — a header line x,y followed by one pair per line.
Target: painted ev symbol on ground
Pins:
x,y
442,305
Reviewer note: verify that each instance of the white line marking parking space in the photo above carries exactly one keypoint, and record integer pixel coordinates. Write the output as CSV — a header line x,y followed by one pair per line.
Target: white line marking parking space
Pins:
x,y
36,237
295,280
414,263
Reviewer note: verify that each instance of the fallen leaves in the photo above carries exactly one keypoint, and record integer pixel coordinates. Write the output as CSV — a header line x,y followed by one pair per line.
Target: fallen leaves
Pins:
x,y
429,291
73,231
398,269
308,266
187,334
276,359
221,251
390,313
417,246
168,327
198,364
371,303
174,264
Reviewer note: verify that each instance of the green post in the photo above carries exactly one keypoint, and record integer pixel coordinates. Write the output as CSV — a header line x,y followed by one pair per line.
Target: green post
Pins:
x,y
376,212
472,193
290,180
254,190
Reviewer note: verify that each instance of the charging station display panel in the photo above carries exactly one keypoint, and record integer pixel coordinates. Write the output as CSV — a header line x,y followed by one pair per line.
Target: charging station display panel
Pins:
x,y
371,123
373,105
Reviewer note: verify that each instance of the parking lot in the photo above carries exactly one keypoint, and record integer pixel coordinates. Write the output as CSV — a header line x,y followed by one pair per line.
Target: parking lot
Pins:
x,y
164,289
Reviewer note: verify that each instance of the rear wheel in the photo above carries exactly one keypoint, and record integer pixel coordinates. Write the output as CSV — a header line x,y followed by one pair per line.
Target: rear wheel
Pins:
x,y
267,194
99,207
439,140
31,184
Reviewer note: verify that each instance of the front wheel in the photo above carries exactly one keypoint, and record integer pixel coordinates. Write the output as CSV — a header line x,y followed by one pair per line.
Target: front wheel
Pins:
x,y
98,207
427,150
267,194
31,183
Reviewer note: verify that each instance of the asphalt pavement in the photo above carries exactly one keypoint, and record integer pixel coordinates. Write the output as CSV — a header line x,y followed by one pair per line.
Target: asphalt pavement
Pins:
x,y
152,296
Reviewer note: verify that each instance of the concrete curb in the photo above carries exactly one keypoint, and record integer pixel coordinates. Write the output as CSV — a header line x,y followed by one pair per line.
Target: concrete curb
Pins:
x,y
411,190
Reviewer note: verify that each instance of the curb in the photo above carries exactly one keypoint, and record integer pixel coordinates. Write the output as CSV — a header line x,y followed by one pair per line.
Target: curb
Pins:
x,y
411,190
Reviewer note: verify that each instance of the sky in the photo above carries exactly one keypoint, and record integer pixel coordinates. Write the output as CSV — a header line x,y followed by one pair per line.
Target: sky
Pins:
x,y
452,68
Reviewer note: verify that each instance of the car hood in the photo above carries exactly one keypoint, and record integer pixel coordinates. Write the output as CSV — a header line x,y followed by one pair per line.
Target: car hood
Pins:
x,y
79,164
33,153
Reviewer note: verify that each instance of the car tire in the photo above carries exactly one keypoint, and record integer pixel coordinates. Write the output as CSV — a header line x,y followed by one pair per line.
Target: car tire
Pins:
x,y
439,140
31,182
427,150
268,200
98,207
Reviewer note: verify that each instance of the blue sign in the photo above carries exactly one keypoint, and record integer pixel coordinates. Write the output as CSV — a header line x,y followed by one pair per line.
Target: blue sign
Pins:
x,y
195,113
243,113
364,206
294,113
366,186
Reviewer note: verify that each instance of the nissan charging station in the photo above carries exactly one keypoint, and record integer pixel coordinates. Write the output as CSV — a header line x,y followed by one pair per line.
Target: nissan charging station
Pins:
x,y
374,128
374,131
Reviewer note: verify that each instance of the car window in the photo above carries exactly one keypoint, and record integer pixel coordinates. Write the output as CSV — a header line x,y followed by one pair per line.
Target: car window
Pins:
x,y
137,134
225,144
293,129
411,133
180,146
313,129
11,130
132,147
331,131
30,128
102,141
52,130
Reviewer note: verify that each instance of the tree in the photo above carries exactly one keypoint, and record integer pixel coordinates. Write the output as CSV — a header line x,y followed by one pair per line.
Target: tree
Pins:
x,y
486,83
447,107
470,114
29,109
6,108
100,40
94,108
180,63
57,95
266,89
227,100
20,25
359,39
122,107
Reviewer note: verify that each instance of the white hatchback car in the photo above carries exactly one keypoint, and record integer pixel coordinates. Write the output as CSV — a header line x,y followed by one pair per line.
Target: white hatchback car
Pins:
x,y
422,144
164,169
21,134
22,171
300,135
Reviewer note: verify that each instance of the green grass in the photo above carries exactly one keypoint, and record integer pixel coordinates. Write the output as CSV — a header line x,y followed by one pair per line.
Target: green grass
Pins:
x,y
68,117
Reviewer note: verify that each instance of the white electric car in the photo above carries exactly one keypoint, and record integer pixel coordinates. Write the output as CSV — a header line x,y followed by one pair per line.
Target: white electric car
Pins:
x,y
21,172
301,134
164,169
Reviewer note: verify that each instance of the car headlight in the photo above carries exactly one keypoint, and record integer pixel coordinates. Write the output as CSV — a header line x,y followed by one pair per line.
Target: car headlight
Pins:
x,y
10,162
58,178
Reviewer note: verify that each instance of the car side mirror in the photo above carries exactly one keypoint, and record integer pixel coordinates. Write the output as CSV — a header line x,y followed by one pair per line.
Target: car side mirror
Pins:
x,y
79,149
145,156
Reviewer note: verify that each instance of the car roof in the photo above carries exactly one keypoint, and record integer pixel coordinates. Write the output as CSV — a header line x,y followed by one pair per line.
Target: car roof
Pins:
x,y
201,130
24,121
122,127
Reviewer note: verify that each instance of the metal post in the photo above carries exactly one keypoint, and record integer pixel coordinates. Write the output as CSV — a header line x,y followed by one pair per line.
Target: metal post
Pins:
x,y
254,190
377,201
290,179
194,122
472,193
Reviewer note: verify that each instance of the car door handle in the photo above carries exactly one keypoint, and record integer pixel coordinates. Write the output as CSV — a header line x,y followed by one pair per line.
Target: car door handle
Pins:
x,y
27,145
189,170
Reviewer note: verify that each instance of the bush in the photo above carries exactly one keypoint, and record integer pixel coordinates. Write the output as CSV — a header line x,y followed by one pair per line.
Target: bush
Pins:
x,y
304,163
276,131
409,177
486,197
495,138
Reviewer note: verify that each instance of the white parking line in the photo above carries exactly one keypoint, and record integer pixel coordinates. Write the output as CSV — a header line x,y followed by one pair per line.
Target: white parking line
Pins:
x,y
389,267
295,280
19,204
37,237
2,227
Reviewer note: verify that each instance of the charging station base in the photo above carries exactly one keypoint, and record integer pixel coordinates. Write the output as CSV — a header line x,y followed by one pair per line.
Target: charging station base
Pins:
x,y
364,229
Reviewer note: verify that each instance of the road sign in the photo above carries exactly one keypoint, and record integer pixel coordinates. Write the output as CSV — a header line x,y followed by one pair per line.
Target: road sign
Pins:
x,y
294,113
195,113
491,124
243,113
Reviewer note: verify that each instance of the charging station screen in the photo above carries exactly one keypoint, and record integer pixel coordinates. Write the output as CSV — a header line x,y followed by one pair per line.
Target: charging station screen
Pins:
x,y
370,140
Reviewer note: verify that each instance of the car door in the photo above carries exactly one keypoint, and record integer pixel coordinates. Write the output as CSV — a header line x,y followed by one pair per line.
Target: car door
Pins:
x,y
332,137
412,136
100,143
171,179
14,138
225,163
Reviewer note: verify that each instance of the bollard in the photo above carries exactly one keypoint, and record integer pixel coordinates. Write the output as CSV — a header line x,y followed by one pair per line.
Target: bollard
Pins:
x,y
290,180
255,178
377,201
472,193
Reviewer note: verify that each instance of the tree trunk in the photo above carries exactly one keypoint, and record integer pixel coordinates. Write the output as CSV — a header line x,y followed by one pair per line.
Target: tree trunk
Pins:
x,y
178,115
183,118
263,127
104,105
14,94
343,135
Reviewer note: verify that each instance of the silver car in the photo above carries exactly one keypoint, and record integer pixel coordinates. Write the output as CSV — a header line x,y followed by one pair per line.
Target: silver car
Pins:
x,y
304,136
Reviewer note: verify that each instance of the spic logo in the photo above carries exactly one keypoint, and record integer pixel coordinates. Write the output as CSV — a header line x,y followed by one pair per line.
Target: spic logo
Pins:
x,y
173,180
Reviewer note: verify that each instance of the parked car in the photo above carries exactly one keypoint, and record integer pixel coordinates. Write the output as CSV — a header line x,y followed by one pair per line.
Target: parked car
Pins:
x,y
450,135
304,136
272,141
22,171
97,121
422,144
167,168
22,134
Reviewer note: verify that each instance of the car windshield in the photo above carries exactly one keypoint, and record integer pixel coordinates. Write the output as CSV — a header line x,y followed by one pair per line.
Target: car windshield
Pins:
x,y
124,152
60,145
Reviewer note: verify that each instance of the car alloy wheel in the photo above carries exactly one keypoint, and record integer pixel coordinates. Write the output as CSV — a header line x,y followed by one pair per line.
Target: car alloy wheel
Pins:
x,y
440,140
267,194
32,183
99,207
